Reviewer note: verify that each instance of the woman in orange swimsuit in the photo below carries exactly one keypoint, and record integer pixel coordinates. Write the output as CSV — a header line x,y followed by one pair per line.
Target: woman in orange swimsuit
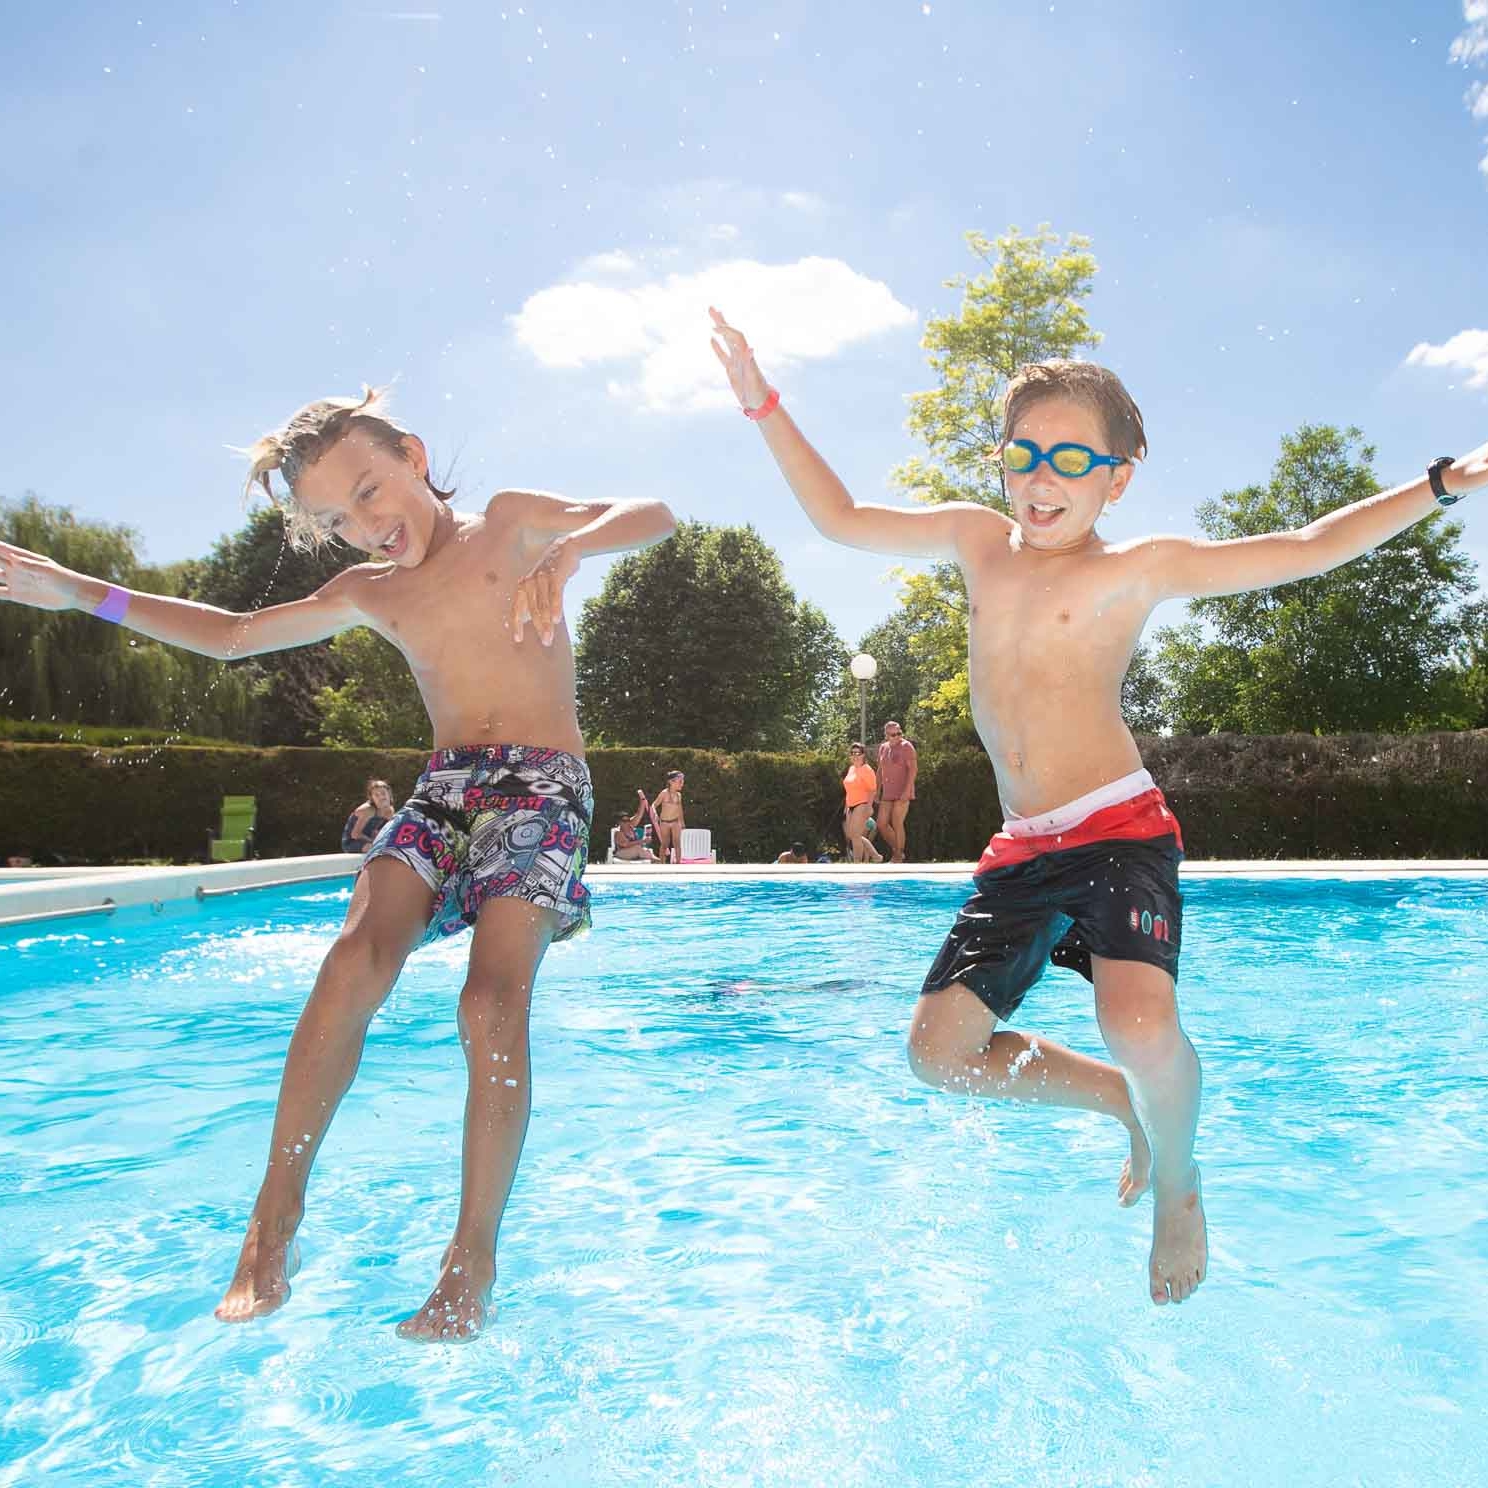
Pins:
x,y
859,785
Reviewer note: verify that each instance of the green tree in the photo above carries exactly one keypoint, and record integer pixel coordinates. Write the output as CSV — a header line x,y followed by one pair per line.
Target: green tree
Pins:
x,y
1144,695
1027,306
1368,646
891,694
254,567
66,667
699,641
378,706
1466,683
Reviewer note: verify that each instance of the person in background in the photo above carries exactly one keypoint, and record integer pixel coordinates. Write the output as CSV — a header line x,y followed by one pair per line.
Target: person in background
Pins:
x,y
670,820
859,786
363,825
795,853
633,833
898,764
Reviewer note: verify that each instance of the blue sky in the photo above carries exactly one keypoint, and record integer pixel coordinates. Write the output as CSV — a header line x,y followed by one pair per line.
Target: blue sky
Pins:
x,y
213,212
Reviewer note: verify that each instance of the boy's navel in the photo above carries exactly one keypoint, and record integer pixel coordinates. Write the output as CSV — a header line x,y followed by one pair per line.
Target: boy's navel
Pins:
x,y
490,576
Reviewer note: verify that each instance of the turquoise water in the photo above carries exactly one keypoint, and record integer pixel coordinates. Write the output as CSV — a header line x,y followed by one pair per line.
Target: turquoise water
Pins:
x,y
745,1248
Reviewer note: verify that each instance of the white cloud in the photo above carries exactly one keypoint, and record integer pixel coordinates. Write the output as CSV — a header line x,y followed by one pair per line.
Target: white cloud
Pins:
x,y
1467,352
1472,45
617,261
723,232
802,201
1470,49
797,312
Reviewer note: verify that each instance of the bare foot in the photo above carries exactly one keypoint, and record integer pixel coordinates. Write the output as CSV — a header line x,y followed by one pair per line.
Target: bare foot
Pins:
x,y
457,1307
1136,1171
1180,1242
268,1260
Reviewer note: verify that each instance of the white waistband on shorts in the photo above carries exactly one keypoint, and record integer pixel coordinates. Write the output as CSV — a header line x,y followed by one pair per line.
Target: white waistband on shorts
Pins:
x,y
1065,818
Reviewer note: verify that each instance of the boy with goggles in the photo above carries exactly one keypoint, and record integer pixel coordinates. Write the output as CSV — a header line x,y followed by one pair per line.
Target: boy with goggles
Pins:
x,y
1084,872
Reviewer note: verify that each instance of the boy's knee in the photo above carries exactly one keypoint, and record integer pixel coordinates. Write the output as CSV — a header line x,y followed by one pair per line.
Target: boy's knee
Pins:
x,y
493,1009
361,969
933,1054
1141,1040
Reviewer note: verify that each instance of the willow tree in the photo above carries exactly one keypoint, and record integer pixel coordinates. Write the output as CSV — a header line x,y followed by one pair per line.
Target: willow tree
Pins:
x,y
63,667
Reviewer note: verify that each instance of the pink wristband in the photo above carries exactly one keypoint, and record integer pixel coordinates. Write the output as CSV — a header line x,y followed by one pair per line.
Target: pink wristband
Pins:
x,y
113,606
771,403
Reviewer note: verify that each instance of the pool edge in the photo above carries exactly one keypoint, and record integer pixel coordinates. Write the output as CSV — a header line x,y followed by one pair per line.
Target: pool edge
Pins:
x,y
98,892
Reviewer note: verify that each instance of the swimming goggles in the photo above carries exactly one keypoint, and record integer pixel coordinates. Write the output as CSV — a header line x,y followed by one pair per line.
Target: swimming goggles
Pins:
x,y
1022,455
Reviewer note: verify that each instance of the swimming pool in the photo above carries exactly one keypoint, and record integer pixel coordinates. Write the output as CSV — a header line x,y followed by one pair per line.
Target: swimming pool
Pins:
x,y
745,1247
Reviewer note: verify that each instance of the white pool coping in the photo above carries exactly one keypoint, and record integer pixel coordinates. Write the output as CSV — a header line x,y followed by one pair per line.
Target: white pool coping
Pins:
x,y
29,895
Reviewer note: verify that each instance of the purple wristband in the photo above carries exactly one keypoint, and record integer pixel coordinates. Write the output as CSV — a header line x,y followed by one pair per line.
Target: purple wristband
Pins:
x,y
113,606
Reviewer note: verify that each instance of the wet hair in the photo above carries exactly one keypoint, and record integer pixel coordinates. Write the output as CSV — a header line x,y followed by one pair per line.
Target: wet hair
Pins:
x,y
1097,388
675,775
798,849
308,434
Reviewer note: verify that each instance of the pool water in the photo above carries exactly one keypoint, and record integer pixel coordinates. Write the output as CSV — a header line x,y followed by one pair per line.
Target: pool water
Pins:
x,y
745,1247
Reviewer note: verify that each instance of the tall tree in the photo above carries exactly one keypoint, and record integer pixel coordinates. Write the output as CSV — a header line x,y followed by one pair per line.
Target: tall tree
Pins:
x,y
1026,306
1368,646
891,694
254,567
378,706
700,641
69,668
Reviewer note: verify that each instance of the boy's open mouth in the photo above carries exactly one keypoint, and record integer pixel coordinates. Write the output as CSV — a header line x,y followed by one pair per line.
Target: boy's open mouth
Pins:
x,y
396,542
1044,513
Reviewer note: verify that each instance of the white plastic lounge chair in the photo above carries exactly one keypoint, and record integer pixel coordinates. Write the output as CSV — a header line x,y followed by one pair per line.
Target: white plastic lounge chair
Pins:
x,y
697,846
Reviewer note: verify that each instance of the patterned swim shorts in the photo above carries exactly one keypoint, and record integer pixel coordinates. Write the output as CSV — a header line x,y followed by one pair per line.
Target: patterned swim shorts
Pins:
x,y
505,821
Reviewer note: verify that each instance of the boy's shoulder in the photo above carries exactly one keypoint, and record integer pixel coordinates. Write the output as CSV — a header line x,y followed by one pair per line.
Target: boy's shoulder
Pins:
x,y
981,531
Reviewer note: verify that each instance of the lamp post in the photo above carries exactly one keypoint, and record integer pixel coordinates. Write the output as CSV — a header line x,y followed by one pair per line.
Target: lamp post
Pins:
x,y
865,669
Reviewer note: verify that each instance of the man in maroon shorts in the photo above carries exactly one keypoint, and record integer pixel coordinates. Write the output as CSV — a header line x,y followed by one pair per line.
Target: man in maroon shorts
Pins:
x,y
897,767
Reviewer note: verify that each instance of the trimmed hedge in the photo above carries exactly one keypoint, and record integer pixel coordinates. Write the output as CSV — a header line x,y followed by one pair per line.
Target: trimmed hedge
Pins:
x,y
1354,796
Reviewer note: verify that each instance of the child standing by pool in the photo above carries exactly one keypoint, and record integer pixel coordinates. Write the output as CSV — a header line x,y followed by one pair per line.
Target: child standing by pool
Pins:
x,y
671,817
1084,872
496,832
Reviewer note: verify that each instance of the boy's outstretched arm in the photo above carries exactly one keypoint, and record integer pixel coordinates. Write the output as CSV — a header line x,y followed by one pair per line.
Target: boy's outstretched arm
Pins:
x,y
575,530
1183,567
931,532
31,579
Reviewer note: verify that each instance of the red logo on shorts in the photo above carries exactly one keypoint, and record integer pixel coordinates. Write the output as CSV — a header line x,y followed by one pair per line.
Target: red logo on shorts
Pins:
x,y
1150,924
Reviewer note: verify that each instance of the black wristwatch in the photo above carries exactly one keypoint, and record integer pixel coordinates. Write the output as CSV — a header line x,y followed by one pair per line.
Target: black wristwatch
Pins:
x,y
1434,473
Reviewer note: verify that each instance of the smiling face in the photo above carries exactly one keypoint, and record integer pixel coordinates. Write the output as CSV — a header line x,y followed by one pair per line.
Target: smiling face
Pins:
x,y
373,496
1057,513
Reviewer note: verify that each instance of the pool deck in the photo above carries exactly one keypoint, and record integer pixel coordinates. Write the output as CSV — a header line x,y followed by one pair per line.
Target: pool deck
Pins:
x,y
36,895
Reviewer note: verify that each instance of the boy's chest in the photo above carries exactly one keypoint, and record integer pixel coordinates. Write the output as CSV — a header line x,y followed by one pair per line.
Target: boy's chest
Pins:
x,y
468,587
1043,606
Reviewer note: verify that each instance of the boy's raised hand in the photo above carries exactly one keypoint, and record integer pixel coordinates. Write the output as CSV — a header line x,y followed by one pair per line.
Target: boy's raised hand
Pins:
x,y
28,578
539,597
732,350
